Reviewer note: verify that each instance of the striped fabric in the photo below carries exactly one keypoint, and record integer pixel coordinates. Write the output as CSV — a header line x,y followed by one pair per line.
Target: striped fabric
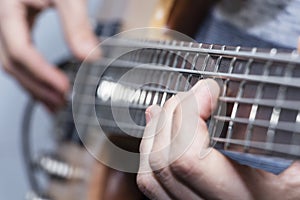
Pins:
x,y
276,21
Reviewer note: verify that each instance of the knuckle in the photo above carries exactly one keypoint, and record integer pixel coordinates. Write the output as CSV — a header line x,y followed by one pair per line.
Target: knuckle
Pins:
x,y
145,184
178,110
182,166
163,175
170,104
157,161
141,180
177,118
14,53
7,69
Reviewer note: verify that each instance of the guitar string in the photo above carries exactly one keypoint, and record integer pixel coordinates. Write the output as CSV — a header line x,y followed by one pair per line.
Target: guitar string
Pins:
x,y
290,149
275,56
276,80
231,77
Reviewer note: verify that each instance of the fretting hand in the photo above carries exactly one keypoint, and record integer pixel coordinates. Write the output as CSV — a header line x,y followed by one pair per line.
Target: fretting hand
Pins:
x,y
19,56
176,162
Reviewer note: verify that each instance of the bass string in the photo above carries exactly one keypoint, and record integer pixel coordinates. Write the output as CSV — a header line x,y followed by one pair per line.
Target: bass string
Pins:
x,y
225,76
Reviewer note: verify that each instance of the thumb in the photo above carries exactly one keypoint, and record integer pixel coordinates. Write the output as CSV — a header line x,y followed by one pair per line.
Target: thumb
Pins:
x,y
77,28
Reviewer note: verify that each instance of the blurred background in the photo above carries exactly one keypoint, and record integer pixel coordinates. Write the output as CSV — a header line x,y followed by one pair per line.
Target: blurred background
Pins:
x,y
49,40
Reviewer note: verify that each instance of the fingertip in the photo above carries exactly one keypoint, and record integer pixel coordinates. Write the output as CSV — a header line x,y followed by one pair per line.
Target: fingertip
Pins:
x,y
152,111
210,85
206,93
85,49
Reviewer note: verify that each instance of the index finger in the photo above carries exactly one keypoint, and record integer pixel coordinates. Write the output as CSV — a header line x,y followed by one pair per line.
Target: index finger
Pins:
x,y
77,28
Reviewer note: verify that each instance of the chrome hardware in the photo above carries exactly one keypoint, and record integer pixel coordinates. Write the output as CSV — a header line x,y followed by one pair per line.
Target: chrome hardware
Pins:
x,y
60,169
33,196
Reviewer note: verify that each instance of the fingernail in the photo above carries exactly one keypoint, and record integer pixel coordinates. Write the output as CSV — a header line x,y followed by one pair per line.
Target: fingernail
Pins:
x,y
151,111
148,114
210,85
148,117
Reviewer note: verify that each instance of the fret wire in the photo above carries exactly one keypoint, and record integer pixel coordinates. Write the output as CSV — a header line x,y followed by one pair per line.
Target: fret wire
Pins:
x,y
143,94
164,96
204,66
156,57
296,137
249,128
138,117
162,75
149,96
218,62
179,79
219,110
258,95
163,54
280,57
136,54
254,107
277,148
186,55
277,110
274,121
212,122
235,106
194,61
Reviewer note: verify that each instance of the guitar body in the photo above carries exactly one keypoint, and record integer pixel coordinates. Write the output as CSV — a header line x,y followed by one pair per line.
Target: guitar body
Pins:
x,y
251,118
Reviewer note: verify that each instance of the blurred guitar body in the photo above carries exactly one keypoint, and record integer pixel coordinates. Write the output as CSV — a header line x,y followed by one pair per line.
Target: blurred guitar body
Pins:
x,y
101,182
255,86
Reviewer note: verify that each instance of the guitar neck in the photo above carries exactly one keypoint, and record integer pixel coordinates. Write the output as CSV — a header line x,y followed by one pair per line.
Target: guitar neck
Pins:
x,y
259,107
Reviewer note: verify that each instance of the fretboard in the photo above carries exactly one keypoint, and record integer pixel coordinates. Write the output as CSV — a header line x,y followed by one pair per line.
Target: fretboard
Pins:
x,y
259,106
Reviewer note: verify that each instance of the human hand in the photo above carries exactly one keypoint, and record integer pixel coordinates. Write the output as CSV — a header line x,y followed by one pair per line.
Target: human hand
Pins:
x,y
177,163
20,58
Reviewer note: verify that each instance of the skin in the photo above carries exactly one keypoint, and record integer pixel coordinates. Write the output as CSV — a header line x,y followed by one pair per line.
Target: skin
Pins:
x,y
19,56
196,171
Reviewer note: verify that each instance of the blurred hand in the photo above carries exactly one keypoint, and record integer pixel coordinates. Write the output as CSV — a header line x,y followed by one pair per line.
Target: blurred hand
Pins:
x,y
177,163
19,56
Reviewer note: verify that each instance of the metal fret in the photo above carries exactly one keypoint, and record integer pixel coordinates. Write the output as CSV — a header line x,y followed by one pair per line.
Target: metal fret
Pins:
x,y
212,128
253,111
193,67
295,140
277,110
236,104
164,95
187,63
